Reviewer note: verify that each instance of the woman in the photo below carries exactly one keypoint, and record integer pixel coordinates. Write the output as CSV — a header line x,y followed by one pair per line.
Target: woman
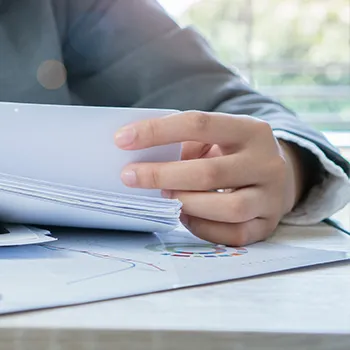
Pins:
x,y
131,53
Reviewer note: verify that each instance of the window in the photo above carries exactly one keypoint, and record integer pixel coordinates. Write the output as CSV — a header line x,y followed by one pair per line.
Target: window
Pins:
x,y
297,51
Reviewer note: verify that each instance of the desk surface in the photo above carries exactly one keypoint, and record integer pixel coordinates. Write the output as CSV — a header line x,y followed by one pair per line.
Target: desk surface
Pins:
x,y
308,307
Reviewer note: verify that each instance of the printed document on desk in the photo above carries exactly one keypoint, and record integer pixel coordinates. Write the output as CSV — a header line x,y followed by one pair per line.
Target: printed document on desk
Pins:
x,y
60,166
92,265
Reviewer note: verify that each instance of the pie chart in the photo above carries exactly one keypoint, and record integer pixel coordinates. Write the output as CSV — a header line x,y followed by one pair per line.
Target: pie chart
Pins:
x,y
190,250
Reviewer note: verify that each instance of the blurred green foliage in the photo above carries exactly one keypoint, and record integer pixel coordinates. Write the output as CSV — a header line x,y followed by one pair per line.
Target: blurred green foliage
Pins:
x,y
285,44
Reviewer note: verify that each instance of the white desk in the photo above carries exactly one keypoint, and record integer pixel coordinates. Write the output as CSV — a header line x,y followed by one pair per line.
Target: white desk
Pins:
x,y
304,309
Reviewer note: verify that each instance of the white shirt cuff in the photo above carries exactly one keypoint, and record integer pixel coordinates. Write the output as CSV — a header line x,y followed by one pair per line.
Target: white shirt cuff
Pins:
x,y
325,199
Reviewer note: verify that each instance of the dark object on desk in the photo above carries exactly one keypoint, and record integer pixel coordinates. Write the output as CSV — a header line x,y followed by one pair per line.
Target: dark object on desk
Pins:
x,y
3,230
334,224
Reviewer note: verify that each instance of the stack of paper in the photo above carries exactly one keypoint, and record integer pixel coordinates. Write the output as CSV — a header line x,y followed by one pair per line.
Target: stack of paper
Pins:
x,y
60,166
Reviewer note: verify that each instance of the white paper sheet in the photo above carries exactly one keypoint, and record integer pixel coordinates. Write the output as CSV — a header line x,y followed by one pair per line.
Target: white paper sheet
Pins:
x,y
85,266
19,235
59,166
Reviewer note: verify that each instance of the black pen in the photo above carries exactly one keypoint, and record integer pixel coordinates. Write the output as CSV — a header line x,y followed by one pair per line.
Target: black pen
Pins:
x,y
334,224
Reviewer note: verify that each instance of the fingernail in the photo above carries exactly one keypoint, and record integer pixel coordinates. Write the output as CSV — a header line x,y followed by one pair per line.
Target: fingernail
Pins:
x,y
125,137
166,194
129,178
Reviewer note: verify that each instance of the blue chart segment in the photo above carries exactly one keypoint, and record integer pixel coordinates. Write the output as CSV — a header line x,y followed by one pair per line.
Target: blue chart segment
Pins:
x,y
188,250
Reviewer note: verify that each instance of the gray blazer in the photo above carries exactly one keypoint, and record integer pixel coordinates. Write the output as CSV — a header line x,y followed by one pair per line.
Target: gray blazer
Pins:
x,y
125,53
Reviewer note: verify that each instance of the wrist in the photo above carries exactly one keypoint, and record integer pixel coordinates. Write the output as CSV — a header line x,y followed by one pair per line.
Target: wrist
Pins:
x,y
297,173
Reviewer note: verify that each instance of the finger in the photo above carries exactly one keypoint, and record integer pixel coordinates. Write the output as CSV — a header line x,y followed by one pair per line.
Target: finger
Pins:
x,y
197,175
211,128
194,150
230,234
215,151
239,206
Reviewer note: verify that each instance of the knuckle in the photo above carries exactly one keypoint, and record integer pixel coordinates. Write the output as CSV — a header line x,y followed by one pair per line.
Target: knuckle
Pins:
x,y
156,182
262,127
152,178
265,127
200,121
152,129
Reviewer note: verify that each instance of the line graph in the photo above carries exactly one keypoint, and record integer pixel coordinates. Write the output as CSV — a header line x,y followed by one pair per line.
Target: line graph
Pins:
x,y
131,263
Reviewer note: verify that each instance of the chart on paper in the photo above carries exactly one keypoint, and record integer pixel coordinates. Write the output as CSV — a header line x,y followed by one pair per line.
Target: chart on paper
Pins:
x,y
90,265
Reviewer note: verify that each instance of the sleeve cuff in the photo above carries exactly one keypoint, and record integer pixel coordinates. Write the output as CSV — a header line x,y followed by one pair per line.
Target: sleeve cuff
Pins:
x,y
325,199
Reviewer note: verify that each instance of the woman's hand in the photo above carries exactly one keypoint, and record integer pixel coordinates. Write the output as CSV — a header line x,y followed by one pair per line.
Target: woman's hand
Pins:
x,y
262,179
